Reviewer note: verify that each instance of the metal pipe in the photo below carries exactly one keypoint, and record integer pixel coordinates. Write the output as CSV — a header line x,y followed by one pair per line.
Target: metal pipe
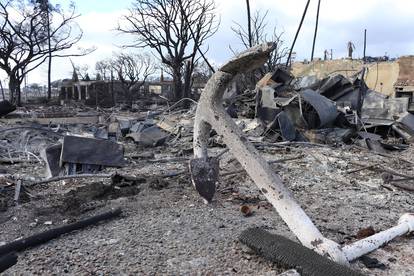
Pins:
x,y
210,114
367,245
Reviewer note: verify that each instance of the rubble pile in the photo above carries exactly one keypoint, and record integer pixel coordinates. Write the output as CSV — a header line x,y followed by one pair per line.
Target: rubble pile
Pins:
x,y
334,110
342,149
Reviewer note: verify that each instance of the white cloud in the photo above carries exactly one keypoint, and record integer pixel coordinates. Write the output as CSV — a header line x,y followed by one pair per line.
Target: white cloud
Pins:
x,y
389,24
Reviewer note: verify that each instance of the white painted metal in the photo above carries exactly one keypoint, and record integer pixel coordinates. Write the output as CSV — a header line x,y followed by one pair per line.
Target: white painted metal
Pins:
x,y
369,244
211,115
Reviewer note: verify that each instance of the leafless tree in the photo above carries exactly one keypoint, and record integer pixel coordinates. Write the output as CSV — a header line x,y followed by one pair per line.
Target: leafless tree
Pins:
x,y
24,40
104,68
132,71
83,71
279,53
259,35
202,72
175,30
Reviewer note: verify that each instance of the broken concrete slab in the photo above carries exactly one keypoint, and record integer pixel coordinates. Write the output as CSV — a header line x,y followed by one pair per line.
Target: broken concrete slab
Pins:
x,y
149,136
79,150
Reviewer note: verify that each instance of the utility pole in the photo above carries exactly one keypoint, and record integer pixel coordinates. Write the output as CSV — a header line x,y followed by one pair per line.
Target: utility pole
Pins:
x,y
45,7
316,29
49,71
249,24
365,44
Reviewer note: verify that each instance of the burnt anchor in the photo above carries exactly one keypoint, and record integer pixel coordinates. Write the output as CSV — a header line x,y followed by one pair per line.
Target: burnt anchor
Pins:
x,y
212,115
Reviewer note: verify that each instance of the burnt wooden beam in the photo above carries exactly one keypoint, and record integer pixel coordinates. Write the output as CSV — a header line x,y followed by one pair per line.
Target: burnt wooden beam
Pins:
x,y
7,261
37,239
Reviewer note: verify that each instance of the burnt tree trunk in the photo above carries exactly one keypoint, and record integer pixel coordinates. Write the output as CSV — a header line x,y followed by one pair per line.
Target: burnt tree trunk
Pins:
x,y
19,96
187,82
2,91
14,90
130,96
178,84
112,88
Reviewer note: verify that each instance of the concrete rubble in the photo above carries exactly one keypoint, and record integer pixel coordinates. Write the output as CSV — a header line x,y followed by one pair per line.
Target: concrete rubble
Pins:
x,y
344,152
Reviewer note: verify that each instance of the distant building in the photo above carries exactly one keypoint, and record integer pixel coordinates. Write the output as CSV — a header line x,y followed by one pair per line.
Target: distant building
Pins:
x,y
404,86
108,93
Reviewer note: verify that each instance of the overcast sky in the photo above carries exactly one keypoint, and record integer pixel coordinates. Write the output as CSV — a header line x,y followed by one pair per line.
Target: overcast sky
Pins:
x,y
389,24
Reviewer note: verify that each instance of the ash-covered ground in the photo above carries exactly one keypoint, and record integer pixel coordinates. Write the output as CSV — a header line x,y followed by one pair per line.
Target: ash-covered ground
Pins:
x,y
166,229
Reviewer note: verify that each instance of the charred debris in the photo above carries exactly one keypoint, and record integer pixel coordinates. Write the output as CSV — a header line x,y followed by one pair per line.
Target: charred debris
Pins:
x,y
76,140
335,110
41,145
